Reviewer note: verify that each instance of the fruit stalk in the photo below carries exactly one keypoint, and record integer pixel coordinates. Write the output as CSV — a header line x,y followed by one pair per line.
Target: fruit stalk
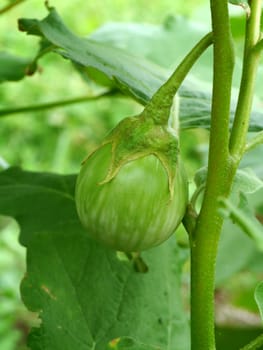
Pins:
x,y
160,105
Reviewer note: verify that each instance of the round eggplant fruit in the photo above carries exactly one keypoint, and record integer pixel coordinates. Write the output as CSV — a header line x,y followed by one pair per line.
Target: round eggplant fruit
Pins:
x,y
135,209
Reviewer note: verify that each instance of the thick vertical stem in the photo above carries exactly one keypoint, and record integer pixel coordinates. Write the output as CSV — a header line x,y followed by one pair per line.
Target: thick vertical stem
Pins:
x,y
205,238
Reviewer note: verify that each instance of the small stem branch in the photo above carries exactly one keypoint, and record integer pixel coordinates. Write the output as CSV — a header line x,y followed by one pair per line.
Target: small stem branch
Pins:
x,y
250,65
160,105
254,142
196,194
259,46
256,344
33,108
220,175
189,220
10,6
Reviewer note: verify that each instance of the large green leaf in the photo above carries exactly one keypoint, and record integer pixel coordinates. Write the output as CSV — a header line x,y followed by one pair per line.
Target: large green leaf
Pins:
x,y
140,76
129,344
165,44
235,253
133,74
86,294
245,180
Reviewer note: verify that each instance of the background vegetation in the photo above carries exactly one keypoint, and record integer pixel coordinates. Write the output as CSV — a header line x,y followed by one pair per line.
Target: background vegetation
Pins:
x,y
58,139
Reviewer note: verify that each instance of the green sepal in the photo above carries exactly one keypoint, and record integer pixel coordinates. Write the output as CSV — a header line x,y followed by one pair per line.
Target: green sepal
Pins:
x,y
137,137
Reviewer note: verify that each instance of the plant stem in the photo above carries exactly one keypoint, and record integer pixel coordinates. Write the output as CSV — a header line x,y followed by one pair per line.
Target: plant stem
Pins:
x,y
8,111
220,175
255,344
259,46
222,163
160,105
10,6
250,65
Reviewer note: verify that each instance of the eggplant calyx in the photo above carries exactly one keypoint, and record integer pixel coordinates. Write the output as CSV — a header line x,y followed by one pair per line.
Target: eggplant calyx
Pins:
x,y
137,137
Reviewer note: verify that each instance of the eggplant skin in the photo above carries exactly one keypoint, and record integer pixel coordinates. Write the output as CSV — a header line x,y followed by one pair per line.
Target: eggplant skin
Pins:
x,y
133,211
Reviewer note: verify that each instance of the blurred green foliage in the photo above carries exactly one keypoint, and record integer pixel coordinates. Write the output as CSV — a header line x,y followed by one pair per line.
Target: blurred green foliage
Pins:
x,y
59,139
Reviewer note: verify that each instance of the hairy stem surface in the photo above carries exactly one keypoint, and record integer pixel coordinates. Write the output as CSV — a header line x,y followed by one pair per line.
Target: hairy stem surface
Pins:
x,y
205,237
225,154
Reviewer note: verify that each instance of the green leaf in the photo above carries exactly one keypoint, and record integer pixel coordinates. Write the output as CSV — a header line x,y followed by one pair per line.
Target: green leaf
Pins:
x,y
241,241
259,298
86,295
26,187
13,68
236,251
253,159
243,3
245,180
244,217
129,344
134,75
238,2
164,44
141,77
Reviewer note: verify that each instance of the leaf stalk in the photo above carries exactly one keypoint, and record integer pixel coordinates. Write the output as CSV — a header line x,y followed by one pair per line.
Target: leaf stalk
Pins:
x,y
10,6
33,108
